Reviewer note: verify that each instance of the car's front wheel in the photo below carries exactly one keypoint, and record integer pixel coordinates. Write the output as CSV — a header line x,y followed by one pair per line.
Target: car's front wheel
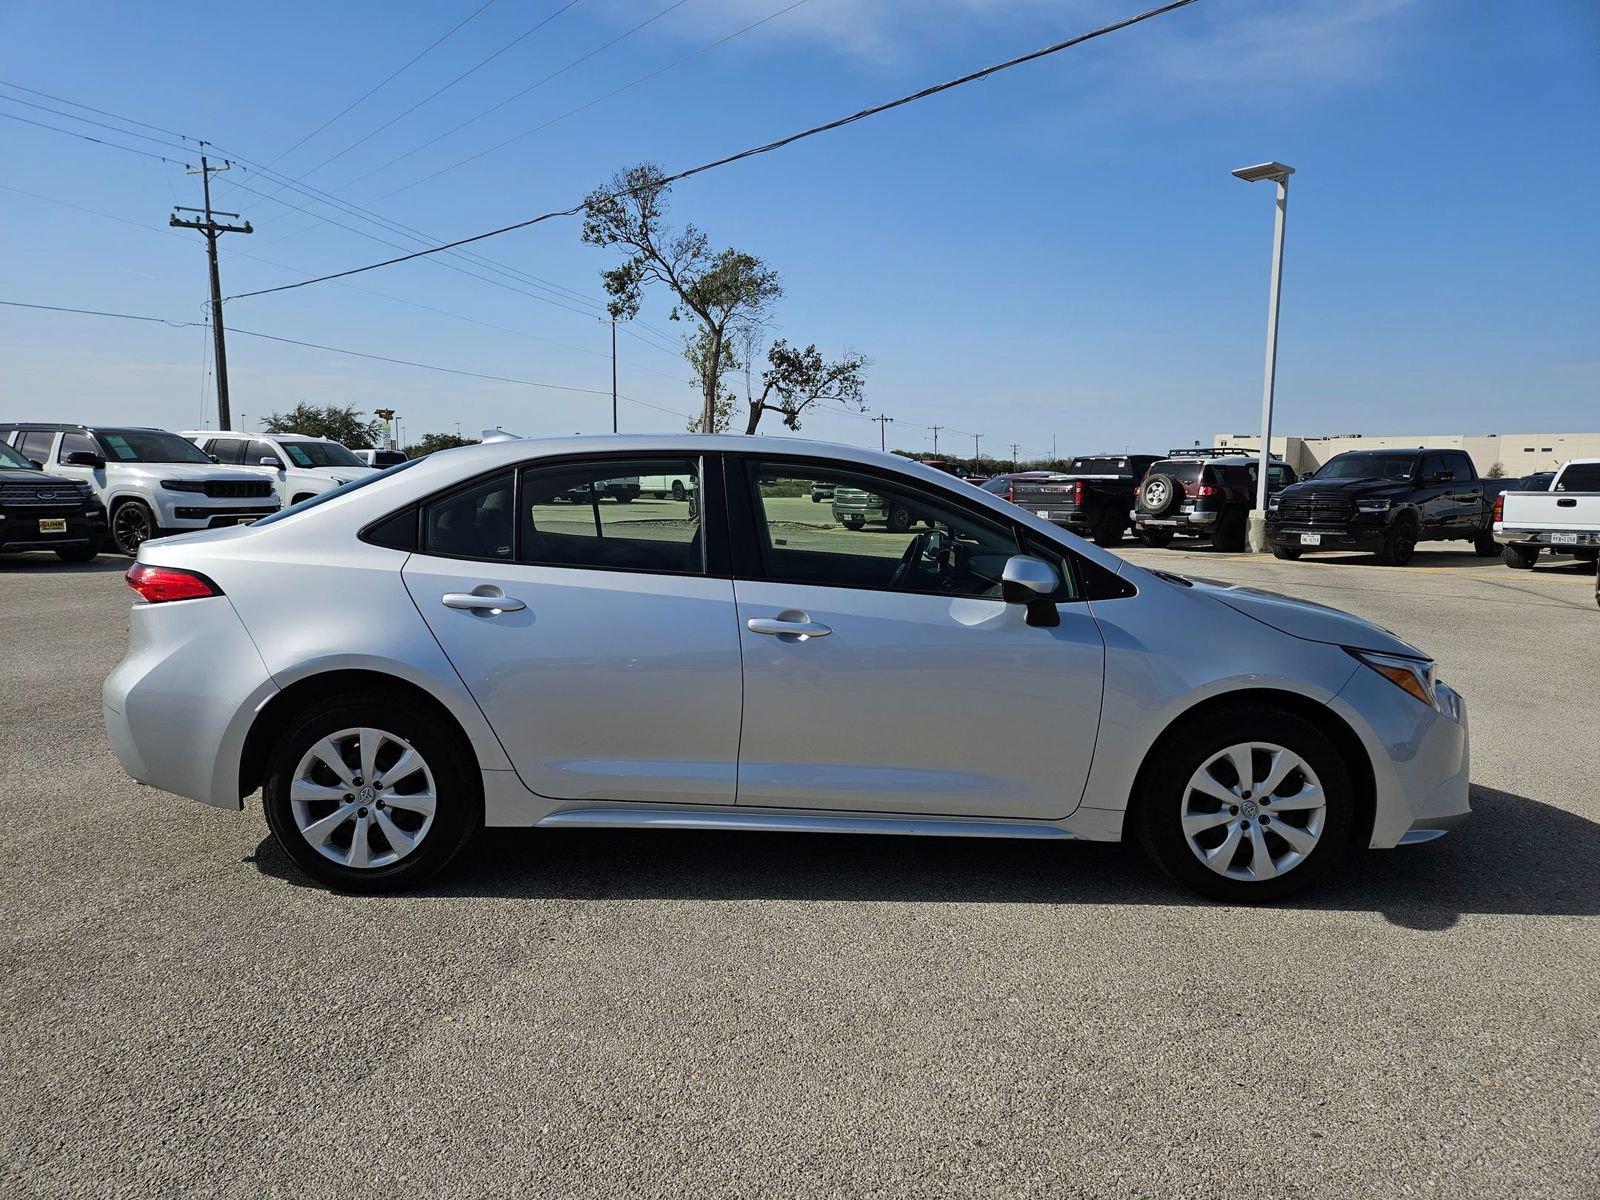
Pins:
x,y
1399,543
1287,553
1251,804
132,525
367,792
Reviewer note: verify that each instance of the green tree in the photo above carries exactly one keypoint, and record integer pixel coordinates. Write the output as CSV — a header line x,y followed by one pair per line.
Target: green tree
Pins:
x,y
341,424
796,379
430,443
723,290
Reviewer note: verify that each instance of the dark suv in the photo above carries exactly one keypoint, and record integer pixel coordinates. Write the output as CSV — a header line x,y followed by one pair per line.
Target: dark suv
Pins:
x,y
1385,501
38,512
1203,493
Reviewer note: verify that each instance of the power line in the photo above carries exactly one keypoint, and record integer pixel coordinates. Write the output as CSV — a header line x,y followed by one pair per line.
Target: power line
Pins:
x,y
401,362
767,148
97,141
102,112
99,124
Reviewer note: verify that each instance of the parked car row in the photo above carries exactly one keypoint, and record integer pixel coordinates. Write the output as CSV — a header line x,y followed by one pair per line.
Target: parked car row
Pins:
x,y
76,489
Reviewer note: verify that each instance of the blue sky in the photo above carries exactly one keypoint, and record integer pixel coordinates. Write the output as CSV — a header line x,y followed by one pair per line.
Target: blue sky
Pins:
x,y
1057,253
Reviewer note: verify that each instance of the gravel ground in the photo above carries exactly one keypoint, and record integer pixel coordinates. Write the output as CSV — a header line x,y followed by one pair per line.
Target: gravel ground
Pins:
x,y
694,1014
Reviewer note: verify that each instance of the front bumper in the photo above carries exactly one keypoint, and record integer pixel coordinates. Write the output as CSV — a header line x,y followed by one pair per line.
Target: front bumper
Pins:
x,y
190,510
1293,534
1421,758
24,529
178,706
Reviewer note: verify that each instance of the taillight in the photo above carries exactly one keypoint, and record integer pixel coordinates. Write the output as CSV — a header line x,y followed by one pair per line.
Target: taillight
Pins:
x,y
1079,488
1500,507
157,585
1011,491
1205,489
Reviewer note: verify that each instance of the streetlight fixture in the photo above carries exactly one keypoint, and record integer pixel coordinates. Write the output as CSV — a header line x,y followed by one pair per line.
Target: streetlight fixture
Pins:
x,y
1279,174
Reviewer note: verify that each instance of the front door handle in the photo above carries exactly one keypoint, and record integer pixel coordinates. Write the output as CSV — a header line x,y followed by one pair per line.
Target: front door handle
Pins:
x,y
488,600
779,627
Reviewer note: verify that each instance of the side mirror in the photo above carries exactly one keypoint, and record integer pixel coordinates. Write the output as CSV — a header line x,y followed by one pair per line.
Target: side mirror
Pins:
x,y
85,458
1031,581
272,460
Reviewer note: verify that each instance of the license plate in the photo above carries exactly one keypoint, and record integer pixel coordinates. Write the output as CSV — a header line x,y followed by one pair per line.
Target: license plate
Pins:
x,y
1311,539
1042,512
1559,539
245,521
52,525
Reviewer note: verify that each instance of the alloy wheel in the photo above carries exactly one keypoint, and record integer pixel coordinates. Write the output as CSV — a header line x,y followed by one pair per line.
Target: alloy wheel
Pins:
x,y
1253,811
363,798
130,529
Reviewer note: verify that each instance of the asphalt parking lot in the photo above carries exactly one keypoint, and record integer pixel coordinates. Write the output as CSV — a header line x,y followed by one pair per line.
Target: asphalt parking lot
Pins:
x,y
695,1014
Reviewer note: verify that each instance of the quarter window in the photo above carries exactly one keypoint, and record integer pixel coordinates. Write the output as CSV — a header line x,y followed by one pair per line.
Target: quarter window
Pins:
x,y
474,523
873,534
596,515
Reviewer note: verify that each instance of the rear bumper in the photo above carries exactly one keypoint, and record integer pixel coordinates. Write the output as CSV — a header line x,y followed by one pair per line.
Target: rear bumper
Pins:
x,y
1516,536
178,706
1199,522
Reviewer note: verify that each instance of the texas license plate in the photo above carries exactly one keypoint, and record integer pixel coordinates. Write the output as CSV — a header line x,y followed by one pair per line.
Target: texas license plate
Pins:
x,y
52,525
1311,539
1042,512
1563,539
245,521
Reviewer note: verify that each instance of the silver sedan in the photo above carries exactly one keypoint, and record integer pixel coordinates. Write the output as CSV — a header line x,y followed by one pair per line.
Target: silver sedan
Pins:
x,y
500,635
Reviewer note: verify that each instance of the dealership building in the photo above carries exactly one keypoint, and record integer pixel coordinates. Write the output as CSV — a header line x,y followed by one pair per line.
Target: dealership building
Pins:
x,y
1515,453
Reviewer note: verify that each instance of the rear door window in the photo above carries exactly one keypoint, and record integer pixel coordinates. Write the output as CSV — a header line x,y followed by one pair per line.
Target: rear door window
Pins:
x,y
1580,477
36,444
594,515
225,450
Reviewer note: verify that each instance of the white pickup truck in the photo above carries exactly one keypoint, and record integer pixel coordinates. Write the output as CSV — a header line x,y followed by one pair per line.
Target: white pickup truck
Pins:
x,y
1564,520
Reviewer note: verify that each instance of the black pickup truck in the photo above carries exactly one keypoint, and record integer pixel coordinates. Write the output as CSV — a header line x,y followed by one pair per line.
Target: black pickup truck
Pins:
x,y
1092,497
1384,501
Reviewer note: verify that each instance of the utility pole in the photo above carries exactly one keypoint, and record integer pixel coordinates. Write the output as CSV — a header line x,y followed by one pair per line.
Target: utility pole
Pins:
x,y
613,375
1014,449
936,429
211,229
975,438
883,430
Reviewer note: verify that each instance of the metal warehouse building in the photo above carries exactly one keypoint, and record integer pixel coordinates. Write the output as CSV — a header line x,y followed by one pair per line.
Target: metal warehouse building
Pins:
x,y
1515,453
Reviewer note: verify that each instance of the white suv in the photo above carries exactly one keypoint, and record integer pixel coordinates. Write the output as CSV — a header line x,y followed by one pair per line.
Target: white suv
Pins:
x,y
299,466
152,482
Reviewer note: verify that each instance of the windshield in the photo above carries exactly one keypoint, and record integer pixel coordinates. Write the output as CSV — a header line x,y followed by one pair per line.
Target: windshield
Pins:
x,y
1369,466
149,446
10,458
320,454
343,489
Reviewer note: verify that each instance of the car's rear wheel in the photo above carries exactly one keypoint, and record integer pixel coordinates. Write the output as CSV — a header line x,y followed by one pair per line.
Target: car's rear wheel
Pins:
x,y
76,554
1108,530
1519,558
678,492
1155,538
1287,553
1484,545
1399,543
368,792
1251,804
132,525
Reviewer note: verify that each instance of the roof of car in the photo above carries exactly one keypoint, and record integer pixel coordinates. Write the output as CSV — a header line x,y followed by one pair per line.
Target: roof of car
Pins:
x,y
63,426
239,433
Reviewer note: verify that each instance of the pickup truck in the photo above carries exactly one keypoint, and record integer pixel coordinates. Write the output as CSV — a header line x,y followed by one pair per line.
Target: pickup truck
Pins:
x,y
1092,497
1385,501
1565,519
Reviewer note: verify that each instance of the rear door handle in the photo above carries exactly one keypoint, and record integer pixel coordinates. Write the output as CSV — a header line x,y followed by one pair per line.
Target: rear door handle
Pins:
x,y
487,600
778,627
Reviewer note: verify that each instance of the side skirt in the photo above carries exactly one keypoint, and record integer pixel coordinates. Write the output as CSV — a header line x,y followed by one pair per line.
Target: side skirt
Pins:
x,y
656,818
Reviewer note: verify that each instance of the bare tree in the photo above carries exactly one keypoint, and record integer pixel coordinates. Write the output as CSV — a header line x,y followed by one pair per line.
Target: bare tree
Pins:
x,y
722,290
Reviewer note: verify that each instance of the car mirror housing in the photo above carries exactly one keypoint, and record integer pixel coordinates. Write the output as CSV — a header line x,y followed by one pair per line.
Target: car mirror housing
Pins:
x,y
85,458
1031,581
271,461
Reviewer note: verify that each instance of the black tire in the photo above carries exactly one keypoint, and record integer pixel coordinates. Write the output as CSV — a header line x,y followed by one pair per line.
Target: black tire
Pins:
x,y
132,524
854,522
1108,529
816,499
1287,553
1175,759
1156,539
76,554
1399,543
1230,534
1586,554
623,497
1519,558
899,519
678,492
1484,545
459,807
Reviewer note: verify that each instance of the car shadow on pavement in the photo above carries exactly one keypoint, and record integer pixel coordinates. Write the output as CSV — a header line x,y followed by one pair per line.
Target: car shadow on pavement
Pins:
x,y
35,561
1516,856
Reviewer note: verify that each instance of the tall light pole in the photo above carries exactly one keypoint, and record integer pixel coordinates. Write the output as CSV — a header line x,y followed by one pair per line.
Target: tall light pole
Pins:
x,y
1278,174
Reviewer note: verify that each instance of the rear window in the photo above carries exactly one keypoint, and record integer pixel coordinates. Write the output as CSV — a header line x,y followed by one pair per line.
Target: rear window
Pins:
x,y
1183,472
1100,466
1579,477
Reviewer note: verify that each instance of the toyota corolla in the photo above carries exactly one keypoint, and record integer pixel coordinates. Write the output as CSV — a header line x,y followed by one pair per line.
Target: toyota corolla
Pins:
x,y
490,636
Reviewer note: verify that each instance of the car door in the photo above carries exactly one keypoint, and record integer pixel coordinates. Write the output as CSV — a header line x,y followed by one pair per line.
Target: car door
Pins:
x,y
597,639
1466,493
883,673
1433,498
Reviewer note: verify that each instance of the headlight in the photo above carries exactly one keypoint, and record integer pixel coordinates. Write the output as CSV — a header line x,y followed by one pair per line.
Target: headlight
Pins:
x,y
1411,675
1272,501
1373,506
182,485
